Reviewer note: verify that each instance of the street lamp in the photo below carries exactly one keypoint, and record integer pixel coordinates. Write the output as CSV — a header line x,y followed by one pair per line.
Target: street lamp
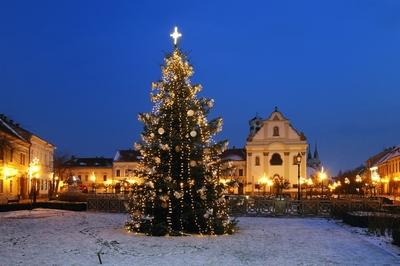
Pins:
x,y
33,171
322,177
93,179
298,161
264,181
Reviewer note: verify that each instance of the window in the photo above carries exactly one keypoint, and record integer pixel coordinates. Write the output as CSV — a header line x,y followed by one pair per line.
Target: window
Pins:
x,y
41,184
22,159
257,161
118,173
276,131
86,178
240,172
276,159
1,185
11,155
104,177
11,186
45,185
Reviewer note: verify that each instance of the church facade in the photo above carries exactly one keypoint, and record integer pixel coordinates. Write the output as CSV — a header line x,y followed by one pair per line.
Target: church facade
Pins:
x,y
270,154
271,151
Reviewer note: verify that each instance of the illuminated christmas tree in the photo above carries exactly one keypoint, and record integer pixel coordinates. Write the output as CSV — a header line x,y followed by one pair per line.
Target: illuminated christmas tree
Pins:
x,y
180,164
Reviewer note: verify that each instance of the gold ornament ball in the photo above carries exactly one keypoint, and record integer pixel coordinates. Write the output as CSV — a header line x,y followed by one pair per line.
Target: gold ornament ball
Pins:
x,y
190,113
193,133
161,131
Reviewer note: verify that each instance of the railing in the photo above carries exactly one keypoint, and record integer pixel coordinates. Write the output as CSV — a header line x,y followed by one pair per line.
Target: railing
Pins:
x,y
258,206
262,206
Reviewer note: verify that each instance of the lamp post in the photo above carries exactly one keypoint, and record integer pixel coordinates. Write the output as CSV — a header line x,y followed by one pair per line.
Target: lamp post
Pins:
x,y
322,177
33,171
263,181
298,161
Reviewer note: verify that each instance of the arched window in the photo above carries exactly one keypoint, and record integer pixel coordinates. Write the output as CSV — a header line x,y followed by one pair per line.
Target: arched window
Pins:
x,y
276,159
276,131
257,160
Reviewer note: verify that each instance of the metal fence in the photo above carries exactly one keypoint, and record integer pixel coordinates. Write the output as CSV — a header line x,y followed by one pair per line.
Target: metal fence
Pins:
x,y
258,206
261,206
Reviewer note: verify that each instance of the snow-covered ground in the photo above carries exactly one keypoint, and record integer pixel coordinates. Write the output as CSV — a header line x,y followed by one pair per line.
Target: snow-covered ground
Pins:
x,y
54,237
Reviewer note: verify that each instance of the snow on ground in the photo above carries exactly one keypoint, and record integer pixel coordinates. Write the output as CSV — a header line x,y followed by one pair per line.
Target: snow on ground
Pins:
x,y
55,237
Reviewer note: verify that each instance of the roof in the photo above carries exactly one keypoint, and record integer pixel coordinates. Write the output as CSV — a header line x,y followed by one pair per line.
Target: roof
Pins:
x,y
127,156
395,152
9,126
89,162
5,126
234,155
377,157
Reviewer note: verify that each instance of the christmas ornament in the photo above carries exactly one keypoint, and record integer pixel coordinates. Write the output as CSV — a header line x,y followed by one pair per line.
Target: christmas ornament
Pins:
x,y
192,163
161,131
177,148
178,195
190,113
193,134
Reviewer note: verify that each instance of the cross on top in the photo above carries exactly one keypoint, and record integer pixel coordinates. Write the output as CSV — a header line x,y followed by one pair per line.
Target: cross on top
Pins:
x,y
175,35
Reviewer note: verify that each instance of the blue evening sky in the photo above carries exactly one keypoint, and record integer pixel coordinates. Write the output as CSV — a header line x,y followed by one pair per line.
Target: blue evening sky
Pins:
x,y
78,72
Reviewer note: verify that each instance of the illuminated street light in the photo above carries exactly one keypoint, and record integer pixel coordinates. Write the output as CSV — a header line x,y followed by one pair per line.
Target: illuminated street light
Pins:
x,y
298,161
33,172
322,177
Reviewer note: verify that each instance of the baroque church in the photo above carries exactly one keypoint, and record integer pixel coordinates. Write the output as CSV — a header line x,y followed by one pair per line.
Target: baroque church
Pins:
x,y
270,152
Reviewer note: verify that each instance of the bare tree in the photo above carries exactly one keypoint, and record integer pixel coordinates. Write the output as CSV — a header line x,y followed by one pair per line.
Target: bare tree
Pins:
x,y
59,172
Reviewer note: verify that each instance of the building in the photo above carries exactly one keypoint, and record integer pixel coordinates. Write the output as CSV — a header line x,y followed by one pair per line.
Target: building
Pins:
x,y
271,150
124,164
26,161
388,170
376,166
234,161
94,174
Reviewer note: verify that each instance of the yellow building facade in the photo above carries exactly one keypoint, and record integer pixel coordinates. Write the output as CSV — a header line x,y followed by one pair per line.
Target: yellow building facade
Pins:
x,y
388,170
26,161
91,174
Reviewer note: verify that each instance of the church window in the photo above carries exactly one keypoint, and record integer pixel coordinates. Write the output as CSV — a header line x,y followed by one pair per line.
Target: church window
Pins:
x,y
257,160
276,159
240,172
276,131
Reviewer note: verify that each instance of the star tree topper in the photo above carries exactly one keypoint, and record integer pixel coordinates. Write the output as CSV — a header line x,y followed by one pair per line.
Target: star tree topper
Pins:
x,y
175,35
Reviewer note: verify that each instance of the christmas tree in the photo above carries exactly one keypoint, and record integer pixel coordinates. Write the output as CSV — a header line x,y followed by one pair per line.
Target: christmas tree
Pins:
x,y
180,164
